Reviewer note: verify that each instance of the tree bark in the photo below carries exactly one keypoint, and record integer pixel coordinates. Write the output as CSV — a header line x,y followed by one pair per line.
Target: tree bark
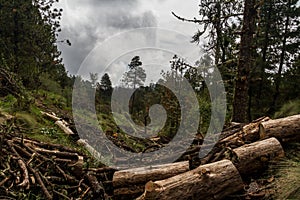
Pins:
x,y
212,181
245,63
253,157
284,129
131,182
247,134
144,174
281,63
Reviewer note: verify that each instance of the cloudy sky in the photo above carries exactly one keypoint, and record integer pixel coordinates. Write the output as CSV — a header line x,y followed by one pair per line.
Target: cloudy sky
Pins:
x,y
106,34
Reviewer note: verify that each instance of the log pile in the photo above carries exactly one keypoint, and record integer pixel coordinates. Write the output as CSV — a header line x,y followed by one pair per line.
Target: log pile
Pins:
x,y
61,173
243,149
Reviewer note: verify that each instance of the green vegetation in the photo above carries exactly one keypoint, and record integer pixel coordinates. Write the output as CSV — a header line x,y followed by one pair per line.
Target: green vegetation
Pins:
x,y
287,175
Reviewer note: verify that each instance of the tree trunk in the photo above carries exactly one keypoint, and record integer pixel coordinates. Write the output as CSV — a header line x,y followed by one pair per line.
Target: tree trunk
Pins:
x,y
212,181
253,157
278,75
284,129
264,51
245,62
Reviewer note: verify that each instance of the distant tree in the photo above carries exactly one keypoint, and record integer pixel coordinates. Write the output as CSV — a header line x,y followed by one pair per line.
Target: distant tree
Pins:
x,y
105,83
94,78
136,75
134,78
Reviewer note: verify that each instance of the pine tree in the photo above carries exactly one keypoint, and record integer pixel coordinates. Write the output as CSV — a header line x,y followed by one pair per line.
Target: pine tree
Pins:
x,y
136,75
105,83
28,41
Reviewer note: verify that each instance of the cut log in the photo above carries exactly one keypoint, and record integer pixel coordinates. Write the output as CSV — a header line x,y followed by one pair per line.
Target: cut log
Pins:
x,y
51,116
212,181
285,129
62,125
131,182
249,133
253,157
144,174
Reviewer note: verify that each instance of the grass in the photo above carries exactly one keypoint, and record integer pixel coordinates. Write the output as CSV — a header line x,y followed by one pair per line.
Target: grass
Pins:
x,y
288,109
286,175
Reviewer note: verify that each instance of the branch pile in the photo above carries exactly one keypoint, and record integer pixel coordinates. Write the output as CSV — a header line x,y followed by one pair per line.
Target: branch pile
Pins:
x,y
54,170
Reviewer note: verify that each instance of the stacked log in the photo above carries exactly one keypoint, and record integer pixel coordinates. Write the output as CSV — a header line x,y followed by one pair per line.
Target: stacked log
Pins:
x,y
284,129
211,181
254,157
243,150
131,182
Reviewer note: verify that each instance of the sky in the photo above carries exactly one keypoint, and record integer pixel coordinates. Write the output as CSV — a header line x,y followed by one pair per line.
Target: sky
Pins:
x,y
106,34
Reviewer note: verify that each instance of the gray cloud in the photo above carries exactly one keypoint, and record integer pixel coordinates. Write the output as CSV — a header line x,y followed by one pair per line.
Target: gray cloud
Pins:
x,y
125,20
86,23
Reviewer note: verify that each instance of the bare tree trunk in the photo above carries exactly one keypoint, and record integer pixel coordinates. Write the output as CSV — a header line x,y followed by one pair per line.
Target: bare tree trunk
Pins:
x,y
278,75
240,102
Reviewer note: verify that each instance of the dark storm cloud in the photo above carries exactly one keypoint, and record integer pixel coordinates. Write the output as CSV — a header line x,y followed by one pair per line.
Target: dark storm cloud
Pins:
x,y
96,20
126,20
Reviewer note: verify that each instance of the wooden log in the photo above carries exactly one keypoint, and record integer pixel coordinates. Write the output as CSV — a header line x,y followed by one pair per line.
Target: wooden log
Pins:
x,y
51,116
284,129
88,147
25,183
97,187
142,175
56,153
62,125
212,181
247,134
253,157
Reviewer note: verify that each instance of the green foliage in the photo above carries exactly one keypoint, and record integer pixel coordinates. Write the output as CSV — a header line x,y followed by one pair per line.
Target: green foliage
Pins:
x,y
288,109
53,99
28,40
27,121
8,103
48,84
